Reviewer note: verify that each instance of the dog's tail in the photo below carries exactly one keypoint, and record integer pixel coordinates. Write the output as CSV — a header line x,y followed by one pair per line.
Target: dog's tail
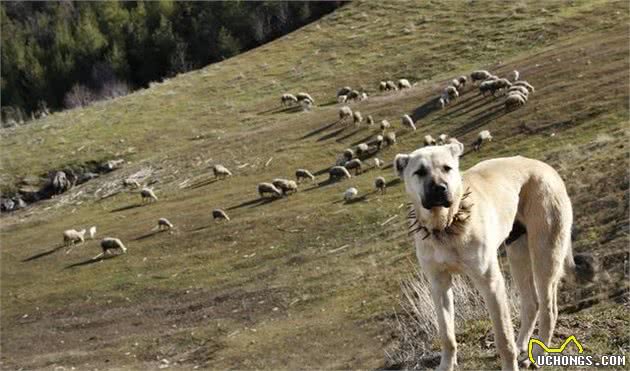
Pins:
x,y
581,267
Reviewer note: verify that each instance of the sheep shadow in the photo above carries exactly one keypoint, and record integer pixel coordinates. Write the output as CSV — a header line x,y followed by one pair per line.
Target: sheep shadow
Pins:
x,y
245,204
265,201
331,103
332,134
128,207
341,139
319,130
323,184
203,183
472,108
494,113
393,182
42,254
365,139
281,109
462,105
150,234
425,109
91,261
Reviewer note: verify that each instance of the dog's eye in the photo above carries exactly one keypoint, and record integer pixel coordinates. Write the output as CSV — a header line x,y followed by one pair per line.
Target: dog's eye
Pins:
x,y
421,172
447,168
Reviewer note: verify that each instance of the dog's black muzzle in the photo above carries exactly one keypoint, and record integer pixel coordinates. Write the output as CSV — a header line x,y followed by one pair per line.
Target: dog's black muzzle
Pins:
x,y
436,195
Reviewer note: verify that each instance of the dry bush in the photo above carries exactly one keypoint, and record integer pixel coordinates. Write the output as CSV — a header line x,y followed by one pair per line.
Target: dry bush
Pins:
x,y
417,326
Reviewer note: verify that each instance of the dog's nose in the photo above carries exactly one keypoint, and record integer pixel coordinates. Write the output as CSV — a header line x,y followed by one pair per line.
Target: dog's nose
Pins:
x,y
439,188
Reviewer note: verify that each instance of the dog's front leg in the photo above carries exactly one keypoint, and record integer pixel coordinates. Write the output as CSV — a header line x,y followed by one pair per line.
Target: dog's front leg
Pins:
x,y
492,288
442,293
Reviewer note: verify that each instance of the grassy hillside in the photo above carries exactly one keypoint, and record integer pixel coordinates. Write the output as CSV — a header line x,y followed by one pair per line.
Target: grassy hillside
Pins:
x,y
307,281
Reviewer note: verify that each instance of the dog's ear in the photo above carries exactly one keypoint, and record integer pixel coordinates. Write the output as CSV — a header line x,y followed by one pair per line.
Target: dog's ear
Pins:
x,y
456,147
400,162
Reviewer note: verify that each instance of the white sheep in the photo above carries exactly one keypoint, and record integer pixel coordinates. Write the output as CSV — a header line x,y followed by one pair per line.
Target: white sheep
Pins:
x,y
484,136
342,99
451,92
378,163
301,96
148,195
442,138
442,102
378,141
463,80
220,171
355,165
285,185
525,84
382,86
515,75
348,154
455,83
380,184
350,194
514,101
288,99
390,138
428,140
163,223
364,96
304,174
92,232
390,85
306,104
357,118
220,214
336,172
408,121
108,244
404,84
344,113
268,188
519,88
385,125
370,120
344,91
354,95
362,148
72,236
479,75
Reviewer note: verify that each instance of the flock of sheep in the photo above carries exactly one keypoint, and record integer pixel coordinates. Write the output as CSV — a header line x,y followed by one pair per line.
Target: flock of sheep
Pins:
x,y
516,92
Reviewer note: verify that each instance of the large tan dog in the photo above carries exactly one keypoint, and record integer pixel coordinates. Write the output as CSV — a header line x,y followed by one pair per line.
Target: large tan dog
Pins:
x,y
460,221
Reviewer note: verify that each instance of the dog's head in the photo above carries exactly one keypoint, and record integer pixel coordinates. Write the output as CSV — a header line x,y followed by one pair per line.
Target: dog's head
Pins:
x,y
431,175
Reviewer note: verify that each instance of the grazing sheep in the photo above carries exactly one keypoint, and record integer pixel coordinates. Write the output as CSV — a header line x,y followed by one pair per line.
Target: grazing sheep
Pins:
x,y
390,138
342,99
71,236
380,184
355,165
353,95
442,138
341,161
302,96
306,104
382,86
525,84
148,195
362,148
344,112
479,75
378,141
463,80
442,102
428,140
288,99
131,183
92,232
451,92
357,118
408,121
515,75
370,120
503,83
285,185
336,172
487,87
304,174
350,194
455,83
514,101
163,223
385,125
390,85
220,214
404,84
484,136
518,88
364,96
108,244
344,91
220,171
516,92
348,154
268,188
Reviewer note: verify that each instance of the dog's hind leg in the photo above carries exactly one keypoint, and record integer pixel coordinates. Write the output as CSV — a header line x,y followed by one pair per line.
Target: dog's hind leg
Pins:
x,y
442,293
491,285
521,269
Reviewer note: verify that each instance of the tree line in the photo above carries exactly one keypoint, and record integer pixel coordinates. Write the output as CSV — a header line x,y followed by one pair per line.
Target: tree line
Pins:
x,y
66,54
